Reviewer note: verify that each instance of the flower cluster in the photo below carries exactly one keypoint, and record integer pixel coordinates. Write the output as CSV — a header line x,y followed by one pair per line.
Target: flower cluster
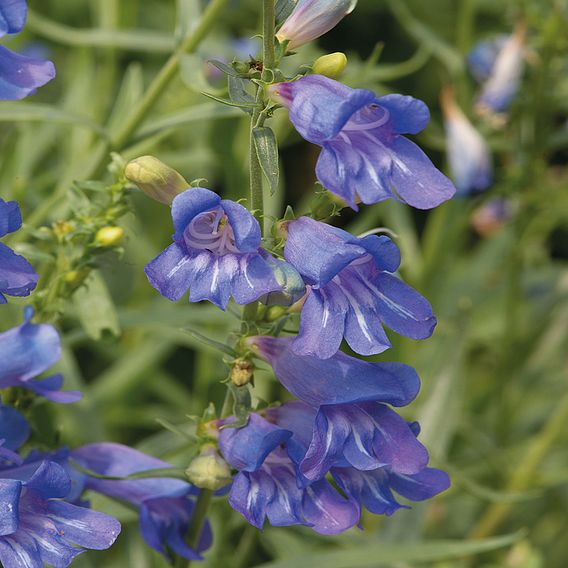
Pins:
x,y
340,446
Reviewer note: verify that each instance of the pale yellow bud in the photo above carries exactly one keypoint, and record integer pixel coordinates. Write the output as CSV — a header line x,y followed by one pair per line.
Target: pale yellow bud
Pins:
x,y
331,65
155,179
209,470
109,236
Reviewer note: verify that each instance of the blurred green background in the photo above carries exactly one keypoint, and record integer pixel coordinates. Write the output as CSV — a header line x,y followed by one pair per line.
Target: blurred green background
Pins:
x,y
494,402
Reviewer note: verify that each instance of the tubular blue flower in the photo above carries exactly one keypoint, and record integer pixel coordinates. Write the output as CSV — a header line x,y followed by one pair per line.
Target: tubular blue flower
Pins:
x,y
373,489
215,253
338,380
17,276
365,436
38,527
364,154
504,79
313,18
14,431
351,291
469,156
165,504
481,59
20,75
267,484
27,351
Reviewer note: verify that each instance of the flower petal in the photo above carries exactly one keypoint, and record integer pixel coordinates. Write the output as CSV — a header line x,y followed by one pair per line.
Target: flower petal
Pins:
x,y
190,203
10,217
245,227
12,16
20,76
407,114
17,275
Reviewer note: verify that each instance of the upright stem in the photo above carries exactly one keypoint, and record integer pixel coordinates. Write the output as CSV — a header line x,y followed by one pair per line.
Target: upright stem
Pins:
x,y
256,190
197,524
268,32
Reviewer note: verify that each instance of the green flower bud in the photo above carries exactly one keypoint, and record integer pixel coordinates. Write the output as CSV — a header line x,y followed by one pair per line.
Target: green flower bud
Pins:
x,y
209,470
331,65
155,179
109,236
293,287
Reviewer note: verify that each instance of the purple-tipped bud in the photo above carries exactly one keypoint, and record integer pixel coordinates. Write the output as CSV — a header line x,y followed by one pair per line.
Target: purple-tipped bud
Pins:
x,y
313,18
469,156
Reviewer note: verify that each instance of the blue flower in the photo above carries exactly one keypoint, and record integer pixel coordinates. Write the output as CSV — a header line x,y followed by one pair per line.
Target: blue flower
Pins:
x,y
351,291
27,351
313,18
267,484
20,76
215,253
505,73
339,379
369,487
364,153
37,525
374,489
469,155
165,504
481,59
17,276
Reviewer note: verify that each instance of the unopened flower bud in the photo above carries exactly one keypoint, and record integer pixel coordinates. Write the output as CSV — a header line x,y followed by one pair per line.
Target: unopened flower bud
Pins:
x,y
242,372
74,278
209,470
155,179
109,236
331,65
292,284
313,18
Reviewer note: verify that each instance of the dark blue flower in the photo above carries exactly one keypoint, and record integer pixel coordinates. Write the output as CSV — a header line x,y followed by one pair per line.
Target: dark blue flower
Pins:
x,y
351,291
165,504
20,75
17,276
268,486
215,253
339,379
364,153
481,59
27,351
373,489
38,527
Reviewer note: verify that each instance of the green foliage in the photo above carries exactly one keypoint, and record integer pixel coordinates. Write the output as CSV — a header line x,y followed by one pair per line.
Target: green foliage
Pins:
x,y
493,407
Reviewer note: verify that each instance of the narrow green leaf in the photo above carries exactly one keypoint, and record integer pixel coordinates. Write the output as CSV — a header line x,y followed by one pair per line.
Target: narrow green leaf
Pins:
x,y
267,152
227,69
210,342
95,308
38,112
238,92
247,106
188,14
387,554
242,404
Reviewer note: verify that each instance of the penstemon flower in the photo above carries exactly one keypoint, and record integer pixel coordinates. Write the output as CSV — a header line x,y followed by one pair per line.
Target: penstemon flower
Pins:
x,y
37,525
165,505
216,253
27,351
364,153
17,276
313,18
469,156
20,75
504,78
267,486
351,291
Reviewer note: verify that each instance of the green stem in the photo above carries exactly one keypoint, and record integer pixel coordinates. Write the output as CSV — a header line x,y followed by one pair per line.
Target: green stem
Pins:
x,y
525,470
268,32
168,72
198,521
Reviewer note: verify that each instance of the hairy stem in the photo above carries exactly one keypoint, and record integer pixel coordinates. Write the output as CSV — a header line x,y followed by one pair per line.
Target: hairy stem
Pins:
x,y
268,31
